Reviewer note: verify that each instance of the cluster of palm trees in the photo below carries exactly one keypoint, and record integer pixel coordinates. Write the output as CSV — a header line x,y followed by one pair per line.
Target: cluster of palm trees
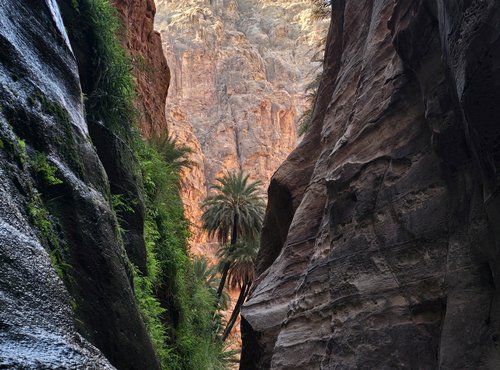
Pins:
x,y
234,214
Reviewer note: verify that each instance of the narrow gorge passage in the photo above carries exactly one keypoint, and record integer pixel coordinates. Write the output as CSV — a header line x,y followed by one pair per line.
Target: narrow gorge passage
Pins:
x,y
240,71
252,184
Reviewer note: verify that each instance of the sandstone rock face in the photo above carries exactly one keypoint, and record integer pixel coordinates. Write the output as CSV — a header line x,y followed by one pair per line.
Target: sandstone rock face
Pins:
x,y
239,70
380,244
150,67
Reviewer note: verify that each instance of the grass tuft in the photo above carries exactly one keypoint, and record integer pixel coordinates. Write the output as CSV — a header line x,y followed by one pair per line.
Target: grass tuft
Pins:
x,y
45,170
111,91
41,218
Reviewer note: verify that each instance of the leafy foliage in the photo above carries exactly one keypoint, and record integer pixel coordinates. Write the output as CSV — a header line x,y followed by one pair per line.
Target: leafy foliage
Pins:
x,y
234,196
203,272
20,151
175,301
171,151
46,171
111,91
41,218
152,313
45,175
236,207
191,343
241,258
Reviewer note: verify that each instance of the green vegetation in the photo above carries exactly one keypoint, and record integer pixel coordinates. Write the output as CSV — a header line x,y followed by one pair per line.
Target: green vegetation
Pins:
x,y
176,303
120,206
66,139
204,272
41,218
20,149
171,152
191,342
52,108
38,213
45,175
16,148
111,91
241,273
237,207
45,170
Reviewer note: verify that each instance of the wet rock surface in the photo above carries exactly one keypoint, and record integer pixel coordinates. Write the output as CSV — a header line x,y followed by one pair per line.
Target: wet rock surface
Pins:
x,y
390,257
64,224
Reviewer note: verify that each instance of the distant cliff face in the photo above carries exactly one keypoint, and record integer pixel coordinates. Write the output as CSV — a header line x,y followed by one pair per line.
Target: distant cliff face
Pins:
x,y
150,67
381,238
239,70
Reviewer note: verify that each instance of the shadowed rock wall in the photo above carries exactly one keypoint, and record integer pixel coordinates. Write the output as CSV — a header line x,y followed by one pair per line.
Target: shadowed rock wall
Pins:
x,y
390,201
55,201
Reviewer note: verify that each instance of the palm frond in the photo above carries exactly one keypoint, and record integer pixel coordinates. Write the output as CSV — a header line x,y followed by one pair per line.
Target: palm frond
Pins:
x,y
234,195
204,272
173,153
241,258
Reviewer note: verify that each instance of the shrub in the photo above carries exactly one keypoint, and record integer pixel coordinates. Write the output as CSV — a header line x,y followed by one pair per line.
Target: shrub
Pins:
x,y
41,218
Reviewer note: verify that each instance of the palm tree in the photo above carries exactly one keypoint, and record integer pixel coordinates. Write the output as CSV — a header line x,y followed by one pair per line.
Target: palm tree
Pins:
x,y
205,273
241,258
173,153
236,207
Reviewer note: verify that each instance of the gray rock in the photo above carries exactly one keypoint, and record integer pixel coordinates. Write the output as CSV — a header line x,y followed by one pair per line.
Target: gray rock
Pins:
x,y
41,318
390,259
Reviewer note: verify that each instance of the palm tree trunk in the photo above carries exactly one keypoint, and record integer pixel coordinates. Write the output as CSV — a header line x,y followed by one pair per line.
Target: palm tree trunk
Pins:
x,y
225,269
223,278
241,299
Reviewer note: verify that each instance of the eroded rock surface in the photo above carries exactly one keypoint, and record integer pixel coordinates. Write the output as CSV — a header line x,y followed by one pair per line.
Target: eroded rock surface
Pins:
x,y
380,244
239,71
55,211
150,67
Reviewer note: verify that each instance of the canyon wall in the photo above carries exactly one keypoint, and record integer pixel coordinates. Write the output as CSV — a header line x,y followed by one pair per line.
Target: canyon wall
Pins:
x,y
380,244
66,293
150,67
239,71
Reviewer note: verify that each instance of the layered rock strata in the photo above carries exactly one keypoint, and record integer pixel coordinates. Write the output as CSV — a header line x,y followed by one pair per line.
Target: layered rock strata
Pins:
x,y
239,71
380,244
